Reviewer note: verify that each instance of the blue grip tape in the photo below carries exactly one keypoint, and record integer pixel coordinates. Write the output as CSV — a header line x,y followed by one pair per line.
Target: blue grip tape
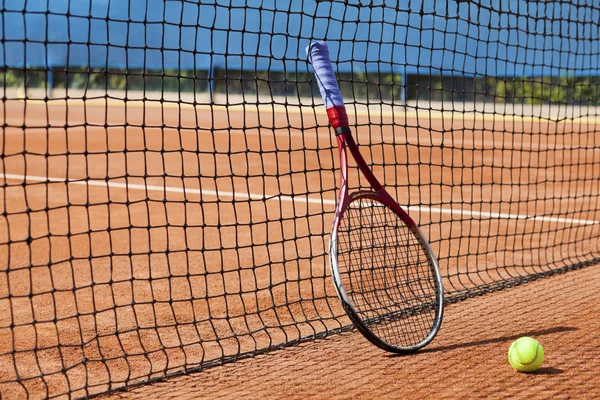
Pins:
x,y
318,55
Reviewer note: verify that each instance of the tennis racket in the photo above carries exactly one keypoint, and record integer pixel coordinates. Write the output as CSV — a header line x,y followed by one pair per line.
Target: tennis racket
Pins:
x,y
384,270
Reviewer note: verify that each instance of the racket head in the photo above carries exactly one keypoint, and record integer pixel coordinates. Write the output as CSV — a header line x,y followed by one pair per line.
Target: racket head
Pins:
x,y
385,273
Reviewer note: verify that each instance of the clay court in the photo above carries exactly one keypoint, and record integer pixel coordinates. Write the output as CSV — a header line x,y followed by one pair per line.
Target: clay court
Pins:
x,y
466,360
142,240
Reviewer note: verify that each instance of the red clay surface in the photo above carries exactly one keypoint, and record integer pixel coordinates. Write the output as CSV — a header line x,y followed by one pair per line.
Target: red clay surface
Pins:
x,y
106,286
468,358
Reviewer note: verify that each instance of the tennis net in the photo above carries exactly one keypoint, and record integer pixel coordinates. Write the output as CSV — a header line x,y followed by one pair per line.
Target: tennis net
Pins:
x,y
168,176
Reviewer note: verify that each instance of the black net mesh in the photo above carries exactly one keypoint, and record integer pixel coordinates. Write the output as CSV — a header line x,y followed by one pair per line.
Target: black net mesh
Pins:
x,y
168,177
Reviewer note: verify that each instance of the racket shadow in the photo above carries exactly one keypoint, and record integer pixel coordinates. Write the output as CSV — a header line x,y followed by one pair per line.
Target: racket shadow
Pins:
x,y
501,339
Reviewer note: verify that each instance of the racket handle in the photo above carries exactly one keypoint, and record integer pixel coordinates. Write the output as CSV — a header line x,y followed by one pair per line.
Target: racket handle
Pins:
x,y
318,56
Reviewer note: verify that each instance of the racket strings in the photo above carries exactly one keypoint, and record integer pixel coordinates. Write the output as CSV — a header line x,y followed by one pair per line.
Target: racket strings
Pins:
x,y
386,273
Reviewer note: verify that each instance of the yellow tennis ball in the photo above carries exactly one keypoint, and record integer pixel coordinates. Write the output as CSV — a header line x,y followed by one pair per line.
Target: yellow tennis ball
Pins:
x,y
526,354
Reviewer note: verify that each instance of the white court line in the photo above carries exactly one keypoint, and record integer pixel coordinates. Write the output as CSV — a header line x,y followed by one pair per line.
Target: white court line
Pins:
x,y
294,199
167,189
42,130
16,126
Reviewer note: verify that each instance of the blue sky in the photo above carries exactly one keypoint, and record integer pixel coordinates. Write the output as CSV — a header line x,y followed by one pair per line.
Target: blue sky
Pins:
x,y
496,37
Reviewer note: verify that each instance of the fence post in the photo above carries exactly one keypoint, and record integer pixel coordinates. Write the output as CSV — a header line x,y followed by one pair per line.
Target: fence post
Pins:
x,y
49,82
